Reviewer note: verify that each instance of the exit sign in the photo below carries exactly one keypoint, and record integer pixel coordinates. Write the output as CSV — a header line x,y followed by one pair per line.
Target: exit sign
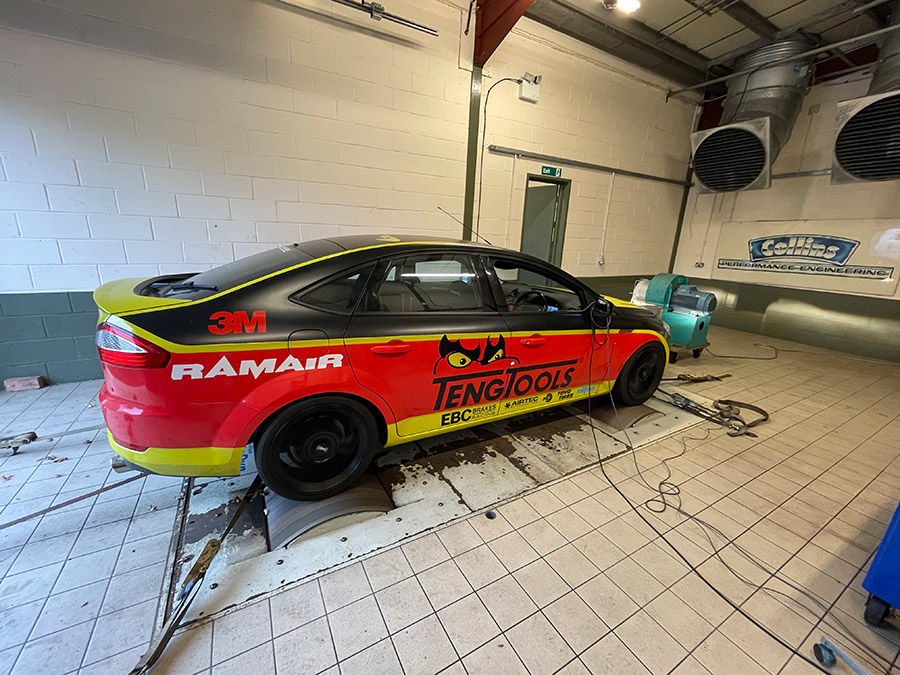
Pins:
x,y
551,171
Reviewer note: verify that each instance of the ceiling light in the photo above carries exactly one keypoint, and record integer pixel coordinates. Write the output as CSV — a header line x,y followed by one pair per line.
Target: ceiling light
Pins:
x,y
628,6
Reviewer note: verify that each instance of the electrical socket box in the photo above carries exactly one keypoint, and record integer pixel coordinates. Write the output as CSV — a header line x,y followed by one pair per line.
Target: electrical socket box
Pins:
x,y
529,91
601,260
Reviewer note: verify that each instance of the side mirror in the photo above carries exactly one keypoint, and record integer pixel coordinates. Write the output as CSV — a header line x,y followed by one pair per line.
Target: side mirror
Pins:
x,y
601,310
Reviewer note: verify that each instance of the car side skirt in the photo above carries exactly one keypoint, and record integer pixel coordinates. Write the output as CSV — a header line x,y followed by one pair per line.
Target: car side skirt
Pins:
x,y
416,428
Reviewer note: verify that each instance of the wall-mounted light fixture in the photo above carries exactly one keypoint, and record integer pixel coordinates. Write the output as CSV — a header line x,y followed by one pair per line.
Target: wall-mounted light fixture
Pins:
x,y
627,6
530,87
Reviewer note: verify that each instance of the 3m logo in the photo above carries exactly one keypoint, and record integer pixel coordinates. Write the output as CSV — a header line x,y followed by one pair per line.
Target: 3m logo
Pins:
x,y
222,323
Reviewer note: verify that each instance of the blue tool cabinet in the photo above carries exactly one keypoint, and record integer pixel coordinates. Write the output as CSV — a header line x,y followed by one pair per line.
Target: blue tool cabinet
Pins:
x,y
883,579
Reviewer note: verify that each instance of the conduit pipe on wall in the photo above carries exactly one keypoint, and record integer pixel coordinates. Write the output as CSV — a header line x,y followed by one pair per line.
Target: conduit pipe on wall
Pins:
x,y
867,143
760,111
376,11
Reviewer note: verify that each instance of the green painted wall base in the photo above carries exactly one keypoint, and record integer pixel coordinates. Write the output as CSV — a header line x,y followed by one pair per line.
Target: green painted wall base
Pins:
x,y
854,324
49,334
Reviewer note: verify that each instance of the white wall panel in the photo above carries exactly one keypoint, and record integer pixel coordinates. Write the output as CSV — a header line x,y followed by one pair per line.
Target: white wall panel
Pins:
x,y
236,125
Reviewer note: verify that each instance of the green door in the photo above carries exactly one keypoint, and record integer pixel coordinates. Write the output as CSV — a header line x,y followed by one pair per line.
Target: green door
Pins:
x,y
544,220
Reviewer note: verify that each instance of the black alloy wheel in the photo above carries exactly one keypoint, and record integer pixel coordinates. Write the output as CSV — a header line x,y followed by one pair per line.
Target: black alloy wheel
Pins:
x,y
315,449
641,375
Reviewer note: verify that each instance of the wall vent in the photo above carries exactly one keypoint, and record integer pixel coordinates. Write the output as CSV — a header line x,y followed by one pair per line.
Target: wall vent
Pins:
x,y
867,144
733,158
759,111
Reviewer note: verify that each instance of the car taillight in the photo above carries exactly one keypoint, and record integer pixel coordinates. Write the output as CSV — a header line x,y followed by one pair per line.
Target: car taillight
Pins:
x,y
119,347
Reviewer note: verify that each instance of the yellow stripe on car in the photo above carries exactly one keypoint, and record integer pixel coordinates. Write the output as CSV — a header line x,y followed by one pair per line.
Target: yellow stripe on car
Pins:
x,y
183,461
178,348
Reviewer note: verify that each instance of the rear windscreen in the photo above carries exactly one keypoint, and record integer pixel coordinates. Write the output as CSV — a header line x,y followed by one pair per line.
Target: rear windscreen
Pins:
x,y
231,275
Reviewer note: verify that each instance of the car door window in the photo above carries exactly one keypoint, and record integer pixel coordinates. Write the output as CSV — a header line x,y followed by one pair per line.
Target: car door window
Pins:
x,y
530,289
428,282
339,294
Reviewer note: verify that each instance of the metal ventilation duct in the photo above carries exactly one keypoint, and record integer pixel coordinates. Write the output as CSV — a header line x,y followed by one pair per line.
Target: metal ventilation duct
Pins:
x,y
867,146
761,109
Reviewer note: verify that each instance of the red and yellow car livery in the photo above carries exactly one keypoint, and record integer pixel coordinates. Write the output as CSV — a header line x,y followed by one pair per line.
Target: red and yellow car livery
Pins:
x,y
317,354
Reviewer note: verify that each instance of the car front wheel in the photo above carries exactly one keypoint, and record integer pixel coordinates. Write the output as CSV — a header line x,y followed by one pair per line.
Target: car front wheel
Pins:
x,y
315,449
641,375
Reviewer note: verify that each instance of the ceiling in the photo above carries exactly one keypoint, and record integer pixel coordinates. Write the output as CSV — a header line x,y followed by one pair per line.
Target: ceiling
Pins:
x,y
690,40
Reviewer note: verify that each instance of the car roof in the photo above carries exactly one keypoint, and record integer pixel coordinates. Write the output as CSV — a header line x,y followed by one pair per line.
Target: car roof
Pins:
x,y
279,259
357,241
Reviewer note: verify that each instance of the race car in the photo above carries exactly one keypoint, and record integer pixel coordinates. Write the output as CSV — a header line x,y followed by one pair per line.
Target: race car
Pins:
x,y
314,356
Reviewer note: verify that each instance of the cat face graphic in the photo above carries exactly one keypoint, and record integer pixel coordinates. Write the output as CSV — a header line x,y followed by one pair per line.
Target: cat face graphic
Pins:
x,y
458,355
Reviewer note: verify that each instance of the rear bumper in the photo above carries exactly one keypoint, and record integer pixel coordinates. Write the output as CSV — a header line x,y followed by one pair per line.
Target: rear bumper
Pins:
x,y
176,439
146,417
182,461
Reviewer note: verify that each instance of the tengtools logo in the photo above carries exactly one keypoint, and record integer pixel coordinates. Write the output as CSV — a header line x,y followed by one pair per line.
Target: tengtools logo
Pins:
x,y
456,355
805,254
479,385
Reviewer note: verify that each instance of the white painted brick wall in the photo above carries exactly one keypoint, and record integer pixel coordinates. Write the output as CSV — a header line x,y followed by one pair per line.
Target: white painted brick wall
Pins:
x,y
167,138
596,109
57,225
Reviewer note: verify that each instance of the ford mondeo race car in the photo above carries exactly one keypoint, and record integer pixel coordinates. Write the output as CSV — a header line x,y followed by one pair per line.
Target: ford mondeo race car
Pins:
x,y
315,355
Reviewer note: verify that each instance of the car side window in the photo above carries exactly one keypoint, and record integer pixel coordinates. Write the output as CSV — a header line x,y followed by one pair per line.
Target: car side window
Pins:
x,y
428,282
339,294
532,289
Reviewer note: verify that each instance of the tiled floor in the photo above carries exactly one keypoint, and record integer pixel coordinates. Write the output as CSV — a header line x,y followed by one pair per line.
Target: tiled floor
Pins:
x,y
568,579
81,583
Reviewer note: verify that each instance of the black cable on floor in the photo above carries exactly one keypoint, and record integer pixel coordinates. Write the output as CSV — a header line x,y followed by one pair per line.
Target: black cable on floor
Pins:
x,y
667,489
662,493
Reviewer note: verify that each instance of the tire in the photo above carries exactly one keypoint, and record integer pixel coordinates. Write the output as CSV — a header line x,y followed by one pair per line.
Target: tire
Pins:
x,y
877,610
317,448
641,375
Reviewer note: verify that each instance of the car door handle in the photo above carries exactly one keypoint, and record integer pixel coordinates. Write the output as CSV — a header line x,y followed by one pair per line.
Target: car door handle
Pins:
x,y
392,348
534,341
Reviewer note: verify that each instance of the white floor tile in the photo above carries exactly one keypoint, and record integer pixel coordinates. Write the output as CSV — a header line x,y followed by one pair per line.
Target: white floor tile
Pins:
x,y
241,630
296,607
69,608
59,652
121,630
424,648
307,649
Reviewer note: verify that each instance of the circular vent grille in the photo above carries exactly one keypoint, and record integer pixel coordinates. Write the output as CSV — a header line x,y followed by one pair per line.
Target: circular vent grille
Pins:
x,y
729,159
868,146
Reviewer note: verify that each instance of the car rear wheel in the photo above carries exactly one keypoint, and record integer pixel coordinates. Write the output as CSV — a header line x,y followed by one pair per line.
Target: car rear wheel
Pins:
x,y
315,449
641,375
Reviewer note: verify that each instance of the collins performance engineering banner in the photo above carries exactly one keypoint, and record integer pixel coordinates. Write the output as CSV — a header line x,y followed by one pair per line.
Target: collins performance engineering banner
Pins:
x,y
853,257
